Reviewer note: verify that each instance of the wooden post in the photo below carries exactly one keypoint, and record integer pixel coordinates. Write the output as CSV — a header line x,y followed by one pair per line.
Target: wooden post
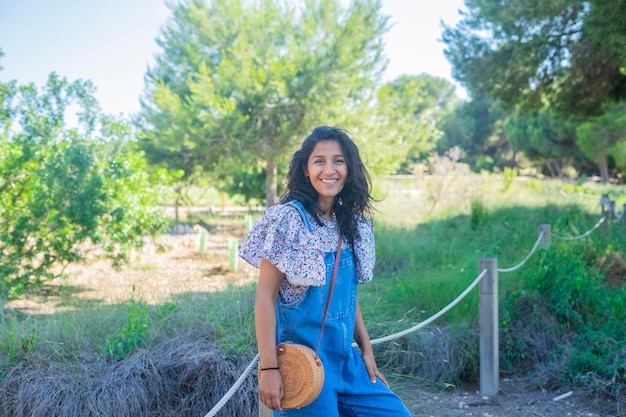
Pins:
x,y
233,252
489,339
607,214
202,243
248,220
547,235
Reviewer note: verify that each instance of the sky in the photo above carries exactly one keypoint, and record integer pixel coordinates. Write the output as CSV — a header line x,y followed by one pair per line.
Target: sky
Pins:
x,y
112,42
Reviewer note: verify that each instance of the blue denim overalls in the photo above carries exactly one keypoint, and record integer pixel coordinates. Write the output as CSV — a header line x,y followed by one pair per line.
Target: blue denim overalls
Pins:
x,y
347,390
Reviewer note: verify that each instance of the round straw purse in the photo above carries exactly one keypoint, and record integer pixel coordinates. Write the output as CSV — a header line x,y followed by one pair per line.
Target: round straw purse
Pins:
x,y
302,372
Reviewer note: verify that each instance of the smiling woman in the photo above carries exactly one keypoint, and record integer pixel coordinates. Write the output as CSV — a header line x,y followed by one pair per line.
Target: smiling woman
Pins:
x,y
318,242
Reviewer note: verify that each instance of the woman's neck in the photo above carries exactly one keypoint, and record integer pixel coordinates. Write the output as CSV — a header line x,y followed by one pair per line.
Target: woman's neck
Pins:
x,y
326,212
326,208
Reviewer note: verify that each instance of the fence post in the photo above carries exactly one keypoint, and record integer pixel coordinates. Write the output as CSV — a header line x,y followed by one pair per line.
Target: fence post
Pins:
x,y
605,201
233,253
202,243
248,221
489,343
546,240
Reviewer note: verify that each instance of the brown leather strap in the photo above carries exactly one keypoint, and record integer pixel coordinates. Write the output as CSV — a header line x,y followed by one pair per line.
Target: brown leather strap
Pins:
x,y
330,290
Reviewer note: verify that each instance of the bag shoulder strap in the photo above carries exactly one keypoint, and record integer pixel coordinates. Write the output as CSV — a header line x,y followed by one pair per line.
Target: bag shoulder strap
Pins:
x,y
330,291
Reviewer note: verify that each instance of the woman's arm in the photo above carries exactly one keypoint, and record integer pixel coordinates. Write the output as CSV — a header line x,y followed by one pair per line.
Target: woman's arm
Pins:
x,y
362,338
271,389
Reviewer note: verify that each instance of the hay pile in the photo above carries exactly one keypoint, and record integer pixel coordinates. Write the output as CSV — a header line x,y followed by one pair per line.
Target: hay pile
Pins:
x,y
178,378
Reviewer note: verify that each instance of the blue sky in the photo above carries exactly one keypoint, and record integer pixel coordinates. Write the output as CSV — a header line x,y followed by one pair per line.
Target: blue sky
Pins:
x,y
112,42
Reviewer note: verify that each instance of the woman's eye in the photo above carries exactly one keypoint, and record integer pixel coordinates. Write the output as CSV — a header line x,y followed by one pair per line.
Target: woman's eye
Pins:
x,y
339,161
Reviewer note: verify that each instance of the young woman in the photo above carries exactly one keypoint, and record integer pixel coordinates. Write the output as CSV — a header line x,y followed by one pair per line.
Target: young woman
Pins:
x,y
294,245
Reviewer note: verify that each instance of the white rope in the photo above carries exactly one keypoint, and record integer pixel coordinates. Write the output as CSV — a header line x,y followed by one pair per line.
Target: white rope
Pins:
x,y
513,268
580,193
590,196
432,318
233,389
587,233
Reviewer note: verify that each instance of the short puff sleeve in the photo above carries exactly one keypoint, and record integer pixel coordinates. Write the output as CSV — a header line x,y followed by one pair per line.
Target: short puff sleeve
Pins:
x,y
282,238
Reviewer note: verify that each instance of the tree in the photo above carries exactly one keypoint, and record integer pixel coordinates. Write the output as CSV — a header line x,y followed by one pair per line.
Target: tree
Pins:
x,y
239,82
404,125
544,138
565,55
67,191
477,129
605,136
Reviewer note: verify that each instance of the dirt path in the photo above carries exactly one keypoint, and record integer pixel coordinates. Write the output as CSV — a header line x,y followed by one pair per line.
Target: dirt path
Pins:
x,y
515,399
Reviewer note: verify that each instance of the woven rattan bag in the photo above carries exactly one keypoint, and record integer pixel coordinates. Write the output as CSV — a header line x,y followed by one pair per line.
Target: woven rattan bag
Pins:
x,y
299,365
302,372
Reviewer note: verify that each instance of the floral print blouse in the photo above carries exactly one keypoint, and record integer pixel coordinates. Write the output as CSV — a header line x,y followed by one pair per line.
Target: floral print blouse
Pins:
x,y
283,238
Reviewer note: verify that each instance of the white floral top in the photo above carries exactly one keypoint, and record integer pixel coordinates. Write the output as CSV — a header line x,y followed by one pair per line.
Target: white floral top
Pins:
x,y
283,238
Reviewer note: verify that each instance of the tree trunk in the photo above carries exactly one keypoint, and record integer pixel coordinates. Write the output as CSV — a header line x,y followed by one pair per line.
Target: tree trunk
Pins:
x,y
604,169
550,169
270,184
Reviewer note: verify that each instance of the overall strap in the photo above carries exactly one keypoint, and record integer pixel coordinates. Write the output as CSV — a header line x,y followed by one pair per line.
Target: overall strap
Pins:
x,y
330,291
298,205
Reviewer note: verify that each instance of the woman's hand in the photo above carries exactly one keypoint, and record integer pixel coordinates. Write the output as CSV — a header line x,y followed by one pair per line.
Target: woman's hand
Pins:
x,y
362,339
370,365
271,389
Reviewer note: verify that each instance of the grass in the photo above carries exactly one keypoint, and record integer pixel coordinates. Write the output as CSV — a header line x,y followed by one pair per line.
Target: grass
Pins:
x,y
431,234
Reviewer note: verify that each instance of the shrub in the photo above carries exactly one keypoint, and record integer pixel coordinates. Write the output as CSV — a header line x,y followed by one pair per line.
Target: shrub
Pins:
x,y
64,192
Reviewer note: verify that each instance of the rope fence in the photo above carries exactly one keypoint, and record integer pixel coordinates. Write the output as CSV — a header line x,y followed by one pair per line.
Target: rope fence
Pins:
x,y
532,251
431,318
488,309
584,235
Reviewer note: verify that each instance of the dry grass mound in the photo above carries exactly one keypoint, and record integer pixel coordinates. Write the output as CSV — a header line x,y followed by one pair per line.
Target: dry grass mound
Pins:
x,y
182,377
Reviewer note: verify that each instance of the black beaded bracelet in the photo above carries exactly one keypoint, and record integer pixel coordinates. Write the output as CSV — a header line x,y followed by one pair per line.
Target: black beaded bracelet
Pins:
x,y
270,369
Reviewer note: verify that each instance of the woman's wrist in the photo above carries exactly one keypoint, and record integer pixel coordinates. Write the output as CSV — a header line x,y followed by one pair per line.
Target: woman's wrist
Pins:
x,y
363,344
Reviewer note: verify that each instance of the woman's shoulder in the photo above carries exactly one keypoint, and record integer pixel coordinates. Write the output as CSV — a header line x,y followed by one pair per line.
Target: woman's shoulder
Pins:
x,y
283,212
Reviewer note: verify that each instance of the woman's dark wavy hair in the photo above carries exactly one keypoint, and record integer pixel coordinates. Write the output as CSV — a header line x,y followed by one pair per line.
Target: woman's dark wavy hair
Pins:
x,y
355,198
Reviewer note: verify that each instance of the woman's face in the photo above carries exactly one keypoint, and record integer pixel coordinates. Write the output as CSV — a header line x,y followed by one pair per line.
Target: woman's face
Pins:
x,y
327,170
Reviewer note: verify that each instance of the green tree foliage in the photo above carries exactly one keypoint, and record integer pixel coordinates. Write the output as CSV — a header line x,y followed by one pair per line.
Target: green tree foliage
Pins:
x,y
239,82
565,55
477,129
405,124
545,139
65,192
568,53
605,135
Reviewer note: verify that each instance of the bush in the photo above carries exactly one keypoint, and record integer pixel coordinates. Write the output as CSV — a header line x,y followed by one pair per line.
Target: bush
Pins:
x,y
567,303
64,192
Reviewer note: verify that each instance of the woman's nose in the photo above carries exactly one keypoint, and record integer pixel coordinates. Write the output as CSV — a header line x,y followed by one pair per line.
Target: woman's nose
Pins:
x,y
329,168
